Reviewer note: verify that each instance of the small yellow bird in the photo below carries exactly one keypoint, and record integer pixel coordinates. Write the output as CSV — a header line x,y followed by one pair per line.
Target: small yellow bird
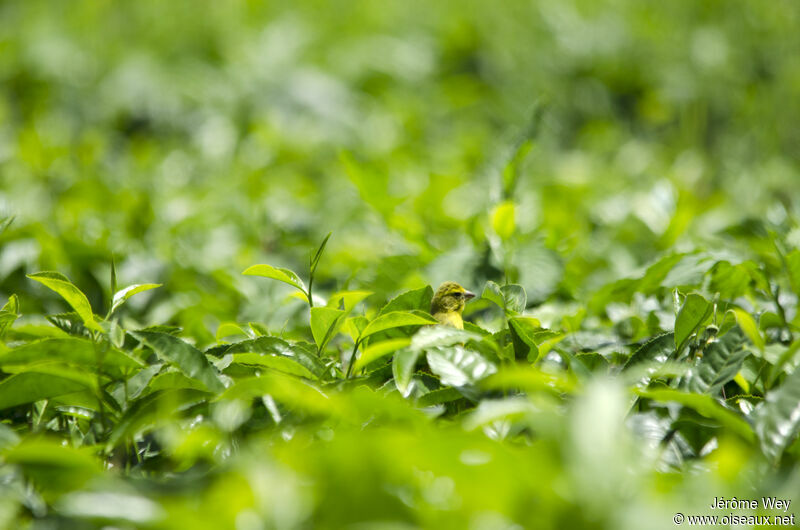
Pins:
x,y
448,303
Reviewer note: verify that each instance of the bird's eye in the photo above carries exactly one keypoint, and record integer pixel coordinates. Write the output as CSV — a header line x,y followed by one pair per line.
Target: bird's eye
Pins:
x,y
457,294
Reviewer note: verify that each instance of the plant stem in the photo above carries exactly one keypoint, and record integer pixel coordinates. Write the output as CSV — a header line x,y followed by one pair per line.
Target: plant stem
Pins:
x,y
352,359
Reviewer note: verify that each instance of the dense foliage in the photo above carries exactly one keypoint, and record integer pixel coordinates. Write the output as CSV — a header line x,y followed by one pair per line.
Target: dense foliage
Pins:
x,y
221,224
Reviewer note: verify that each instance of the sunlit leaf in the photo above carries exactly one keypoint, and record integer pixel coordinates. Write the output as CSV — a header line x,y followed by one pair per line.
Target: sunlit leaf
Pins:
x,y
325,322
777,420
403,365
276,273
704,405
396,319
42,381
378,350
275,362
721,361
122,296
348,299
502,219
184,356
457,366
419,299
693,313
74,297
748,324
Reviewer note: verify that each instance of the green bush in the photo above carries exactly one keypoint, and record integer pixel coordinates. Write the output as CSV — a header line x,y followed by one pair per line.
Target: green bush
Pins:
x,y
617,180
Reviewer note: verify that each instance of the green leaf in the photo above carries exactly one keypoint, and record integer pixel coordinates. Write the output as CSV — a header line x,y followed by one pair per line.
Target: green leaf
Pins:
x,y
12,306
41,382
229,329
74,297
515,298
294,392
302,353
694,312
188,359
173,380
749,326
777,420
5,222
655,351
275,362
53,467
511,298
530,379
325,322
492,410
439,396
151,410
438,336
7,319
502,220
720,363
396,319
403,365
347,299
376,351
457,366
703,404
121,296
419,299
276,273
785,357
355,325
81,352
793,269
523,331
492,293
314,261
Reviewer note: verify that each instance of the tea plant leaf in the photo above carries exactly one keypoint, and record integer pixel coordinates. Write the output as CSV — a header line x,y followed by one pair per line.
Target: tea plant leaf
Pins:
x,y
523,332
53,467
693,313
502,220
276,273
720,363
705,405
12,305
275,362
403,364
81,352
376,351
511,298
457,366
656,351
41,382
347,299
184,356
325,322
122,296
439,396
419,299
7,319
303,353
492,293
748,324
74,297
396,319
777,420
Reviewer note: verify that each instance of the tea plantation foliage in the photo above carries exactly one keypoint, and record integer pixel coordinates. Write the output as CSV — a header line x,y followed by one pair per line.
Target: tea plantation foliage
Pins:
x,y
222,223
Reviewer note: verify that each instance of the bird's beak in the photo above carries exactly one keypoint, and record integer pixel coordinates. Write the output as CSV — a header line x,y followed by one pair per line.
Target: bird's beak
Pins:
x,y
469,295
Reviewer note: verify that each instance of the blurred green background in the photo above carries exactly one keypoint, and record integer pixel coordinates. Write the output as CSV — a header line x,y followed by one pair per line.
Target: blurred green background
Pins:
x,y
559,145
192,139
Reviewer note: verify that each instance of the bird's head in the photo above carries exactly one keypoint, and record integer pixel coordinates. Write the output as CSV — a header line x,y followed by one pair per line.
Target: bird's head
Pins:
x,y
450,297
